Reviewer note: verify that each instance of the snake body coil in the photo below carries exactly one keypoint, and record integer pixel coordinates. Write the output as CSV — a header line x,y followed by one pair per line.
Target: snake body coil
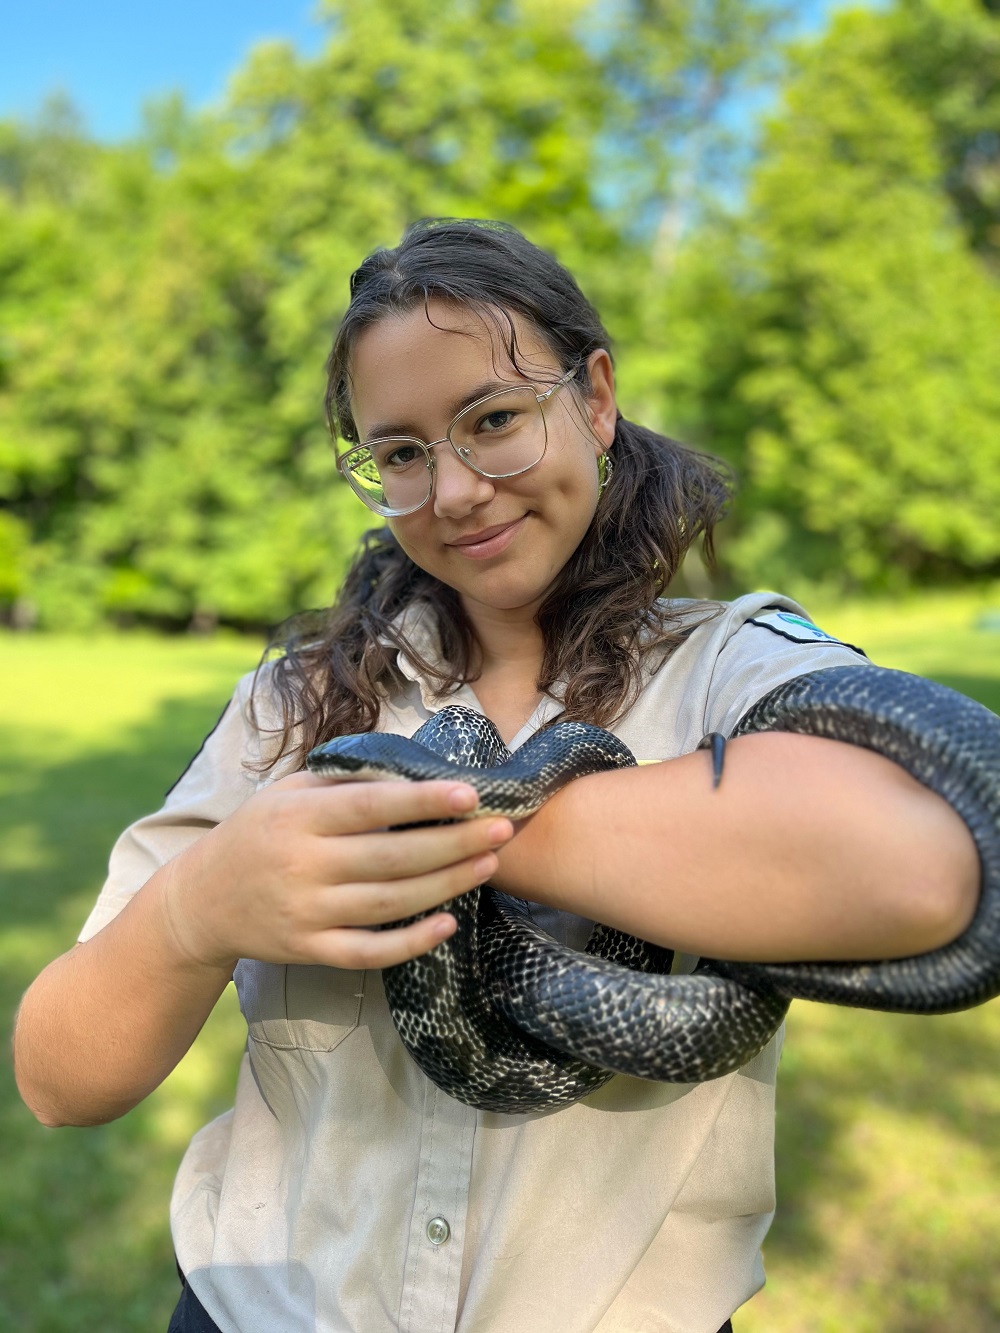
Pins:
x,y
504,1018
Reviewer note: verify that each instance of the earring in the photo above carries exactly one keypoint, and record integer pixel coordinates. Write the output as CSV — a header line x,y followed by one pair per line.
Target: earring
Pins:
x,y
605,467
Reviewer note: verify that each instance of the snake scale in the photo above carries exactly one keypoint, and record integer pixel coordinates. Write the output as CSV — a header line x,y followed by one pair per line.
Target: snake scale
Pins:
x,y
504,1018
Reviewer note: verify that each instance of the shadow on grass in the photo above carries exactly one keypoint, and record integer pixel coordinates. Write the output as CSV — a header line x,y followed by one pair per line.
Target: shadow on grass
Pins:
x,y
83,1215
927,1076
913,1066
888,1165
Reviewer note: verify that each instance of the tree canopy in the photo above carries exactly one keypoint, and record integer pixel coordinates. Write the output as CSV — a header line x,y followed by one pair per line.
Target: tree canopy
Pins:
x,y
824,317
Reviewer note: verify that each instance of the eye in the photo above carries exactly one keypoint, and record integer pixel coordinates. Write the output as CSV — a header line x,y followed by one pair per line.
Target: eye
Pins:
x,y
397,455
501,418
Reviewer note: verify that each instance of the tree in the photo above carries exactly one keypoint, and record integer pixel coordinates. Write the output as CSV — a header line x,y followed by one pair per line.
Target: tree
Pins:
x,y
852,315
162,452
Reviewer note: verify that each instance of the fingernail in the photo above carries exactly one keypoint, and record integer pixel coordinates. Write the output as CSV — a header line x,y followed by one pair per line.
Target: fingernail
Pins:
x,y
444,927
463,799
501,831
485,866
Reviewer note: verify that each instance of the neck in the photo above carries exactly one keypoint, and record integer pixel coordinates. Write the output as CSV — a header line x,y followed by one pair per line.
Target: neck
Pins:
x,y
510,661
507,640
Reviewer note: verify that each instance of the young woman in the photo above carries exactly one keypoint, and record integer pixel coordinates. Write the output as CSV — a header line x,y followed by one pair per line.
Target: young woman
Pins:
x,y
518,574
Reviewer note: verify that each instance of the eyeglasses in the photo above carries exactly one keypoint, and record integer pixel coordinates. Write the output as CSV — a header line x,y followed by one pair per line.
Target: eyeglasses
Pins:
x,y
501,435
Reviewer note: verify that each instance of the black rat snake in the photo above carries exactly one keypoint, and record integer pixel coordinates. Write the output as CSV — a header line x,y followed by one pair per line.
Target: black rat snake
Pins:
x,y
504,1018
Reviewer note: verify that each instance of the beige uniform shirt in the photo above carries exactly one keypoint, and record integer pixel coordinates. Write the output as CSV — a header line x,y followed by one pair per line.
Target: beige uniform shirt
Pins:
x,y
344,1193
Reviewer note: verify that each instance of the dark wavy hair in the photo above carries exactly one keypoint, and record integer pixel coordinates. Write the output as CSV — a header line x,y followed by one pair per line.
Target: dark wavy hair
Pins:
x,y
603,613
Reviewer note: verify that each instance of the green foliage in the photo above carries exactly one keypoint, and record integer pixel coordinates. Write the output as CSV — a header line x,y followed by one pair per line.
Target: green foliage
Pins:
x,y
166,306
853,376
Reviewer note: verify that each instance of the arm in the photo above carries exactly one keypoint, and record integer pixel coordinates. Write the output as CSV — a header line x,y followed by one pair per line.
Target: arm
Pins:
x,y
292,876
809,849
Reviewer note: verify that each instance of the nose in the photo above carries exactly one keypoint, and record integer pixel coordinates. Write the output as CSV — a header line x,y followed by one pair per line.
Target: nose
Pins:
x,y
457,488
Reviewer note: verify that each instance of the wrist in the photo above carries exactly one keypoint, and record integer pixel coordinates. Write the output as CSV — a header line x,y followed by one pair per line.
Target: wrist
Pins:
x,y
532,864
182,929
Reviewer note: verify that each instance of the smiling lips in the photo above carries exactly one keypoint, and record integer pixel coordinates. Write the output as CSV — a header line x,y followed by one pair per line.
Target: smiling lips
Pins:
x,y
488,542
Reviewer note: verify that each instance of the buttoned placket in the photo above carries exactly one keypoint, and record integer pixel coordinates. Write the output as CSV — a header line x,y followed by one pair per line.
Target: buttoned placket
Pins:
x,y
433,1263
432,1268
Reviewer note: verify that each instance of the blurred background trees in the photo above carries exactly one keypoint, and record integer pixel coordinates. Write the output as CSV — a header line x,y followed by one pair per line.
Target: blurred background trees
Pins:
x,y
820,306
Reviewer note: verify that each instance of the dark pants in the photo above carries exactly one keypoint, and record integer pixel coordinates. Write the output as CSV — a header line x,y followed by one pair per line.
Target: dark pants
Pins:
x,y
191,1316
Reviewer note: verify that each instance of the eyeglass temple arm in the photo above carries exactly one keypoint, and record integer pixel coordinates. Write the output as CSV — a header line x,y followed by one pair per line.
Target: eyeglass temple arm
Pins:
x,y
544,397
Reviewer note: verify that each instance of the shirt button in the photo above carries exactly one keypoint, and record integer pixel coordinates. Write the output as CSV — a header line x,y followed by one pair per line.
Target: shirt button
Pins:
x,y
438,1230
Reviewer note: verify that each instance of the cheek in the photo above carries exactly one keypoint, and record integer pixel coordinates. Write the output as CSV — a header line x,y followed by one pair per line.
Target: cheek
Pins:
x,y
577,488
408,535
418,542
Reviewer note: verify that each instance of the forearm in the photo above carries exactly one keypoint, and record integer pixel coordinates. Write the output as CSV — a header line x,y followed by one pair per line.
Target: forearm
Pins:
x,y
305,872
808,849
106,1022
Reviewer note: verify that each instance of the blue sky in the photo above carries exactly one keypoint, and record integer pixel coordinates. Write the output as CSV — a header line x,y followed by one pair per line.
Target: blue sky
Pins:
x,y
111,55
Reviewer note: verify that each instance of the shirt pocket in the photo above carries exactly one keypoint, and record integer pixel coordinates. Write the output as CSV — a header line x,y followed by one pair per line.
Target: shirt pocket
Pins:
x,y
291,1006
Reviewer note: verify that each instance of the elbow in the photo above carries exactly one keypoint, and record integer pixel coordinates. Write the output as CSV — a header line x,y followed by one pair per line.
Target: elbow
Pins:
x,y
54,1116
946,911
52,1108
37,1103
44,1116
941,895
53,1104
922,869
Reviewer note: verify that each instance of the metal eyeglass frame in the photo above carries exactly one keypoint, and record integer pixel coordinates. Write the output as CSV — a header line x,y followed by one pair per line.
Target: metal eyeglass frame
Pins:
x,y
388,511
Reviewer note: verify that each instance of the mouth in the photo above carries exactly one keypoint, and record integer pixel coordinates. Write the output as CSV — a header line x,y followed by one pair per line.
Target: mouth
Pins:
x,y
488,541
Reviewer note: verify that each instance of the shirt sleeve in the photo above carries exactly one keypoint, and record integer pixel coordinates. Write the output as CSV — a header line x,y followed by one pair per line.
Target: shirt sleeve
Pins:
x,y
769,640
215,783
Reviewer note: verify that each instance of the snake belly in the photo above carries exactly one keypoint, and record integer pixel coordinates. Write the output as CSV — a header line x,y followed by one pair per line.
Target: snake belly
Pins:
x,y
504,1018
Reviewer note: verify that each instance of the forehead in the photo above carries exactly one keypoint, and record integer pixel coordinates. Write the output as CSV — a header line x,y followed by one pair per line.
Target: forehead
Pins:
x,y
413,368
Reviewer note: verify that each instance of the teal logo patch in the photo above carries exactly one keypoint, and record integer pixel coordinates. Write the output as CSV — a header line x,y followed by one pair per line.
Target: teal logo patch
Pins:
x,y
795,627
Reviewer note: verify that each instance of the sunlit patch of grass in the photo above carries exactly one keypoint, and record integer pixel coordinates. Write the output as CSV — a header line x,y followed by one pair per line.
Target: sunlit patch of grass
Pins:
x,y
66,694
24,848
888,1167
191,1095
92,732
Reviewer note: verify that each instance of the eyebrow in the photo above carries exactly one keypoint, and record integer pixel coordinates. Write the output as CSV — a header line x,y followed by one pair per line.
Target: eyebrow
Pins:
x,y
382,430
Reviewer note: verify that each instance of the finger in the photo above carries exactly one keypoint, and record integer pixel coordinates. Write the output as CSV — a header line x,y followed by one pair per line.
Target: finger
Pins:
x,y
406,853
359,949
373,904
360,807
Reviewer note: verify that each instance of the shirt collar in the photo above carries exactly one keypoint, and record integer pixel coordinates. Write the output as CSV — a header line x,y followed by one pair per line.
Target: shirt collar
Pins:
x,y
416,624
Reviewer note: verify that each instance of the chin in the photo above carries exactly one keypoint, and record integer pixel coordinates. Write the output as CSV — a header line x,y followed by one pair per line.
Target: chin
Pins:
x,y
505,594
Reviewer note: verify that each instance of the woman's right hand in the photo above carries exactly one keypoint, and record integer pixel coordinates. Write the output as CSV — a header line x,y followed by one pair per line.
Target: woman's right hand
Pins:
x,y
301,873
304,871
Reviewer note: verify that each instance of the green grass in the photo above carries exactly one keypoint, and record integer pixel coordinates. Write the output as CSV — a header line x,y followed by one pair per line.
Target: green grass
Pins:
x,y
888,1140
92,732
888,1148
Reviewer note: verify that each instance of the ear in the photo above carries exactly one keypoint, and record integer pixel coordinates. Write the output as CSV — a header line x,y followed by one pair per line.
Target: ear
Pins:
x,y
602,408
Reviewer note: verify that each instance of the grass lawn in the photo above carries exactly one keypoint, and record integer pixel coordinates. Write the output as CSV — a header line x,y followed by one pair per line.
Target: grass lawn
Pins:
x,y
93,732
888,1150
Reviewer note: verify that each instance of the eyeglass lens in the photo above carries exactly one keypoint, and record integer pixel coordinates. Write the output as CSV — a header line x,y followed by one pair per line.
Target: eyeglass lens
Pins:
x,y
500,436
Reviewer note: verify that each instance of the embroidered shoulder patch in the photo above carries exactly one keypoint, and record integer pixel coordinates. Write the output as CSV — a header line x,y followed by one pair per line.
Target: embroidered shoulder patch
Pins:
x,y
796,628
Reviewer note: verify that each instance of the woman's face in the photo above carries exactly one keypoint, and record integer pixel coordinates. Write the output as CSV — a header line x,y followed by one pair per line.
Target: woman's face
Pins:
x,y
500,543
